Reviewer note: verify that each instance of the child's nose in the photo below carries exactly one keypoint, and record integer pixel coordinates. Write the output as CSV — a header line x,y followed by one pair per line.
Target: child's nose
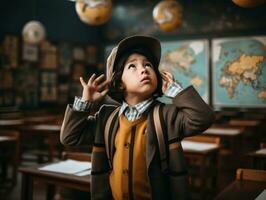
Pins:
x,y
143,70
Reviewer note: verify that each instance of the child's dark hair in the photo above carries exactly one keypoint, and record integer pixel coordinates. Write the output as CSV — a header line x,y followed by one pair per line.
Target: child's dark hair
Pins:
x,y
115,89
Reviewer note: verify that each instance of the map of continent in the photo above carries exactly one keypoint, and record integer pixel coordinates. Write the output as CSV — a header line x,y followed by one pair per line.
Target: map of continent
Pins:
x,y
188,62
239,75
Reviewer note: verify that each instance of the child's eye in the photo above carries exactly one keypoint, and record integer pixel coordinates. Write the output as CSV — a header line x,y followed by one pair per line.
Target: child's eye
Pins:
x,y
148,65
131,65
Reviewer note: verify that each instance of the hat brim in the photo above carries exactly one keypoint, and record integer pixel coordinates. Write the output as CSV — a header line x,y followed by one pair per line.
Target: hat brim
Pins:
x,y
150,43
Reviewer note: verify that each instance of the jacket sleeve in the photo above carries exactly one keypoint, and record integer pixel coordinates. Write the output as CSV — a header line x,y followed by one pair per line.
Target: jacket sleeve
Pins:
x,y
188,115
78,127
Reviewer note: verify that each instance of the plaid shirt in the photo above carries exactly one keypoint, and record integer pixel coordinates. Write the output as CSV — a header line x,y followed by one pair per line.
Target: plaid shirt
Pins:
x,y
132,112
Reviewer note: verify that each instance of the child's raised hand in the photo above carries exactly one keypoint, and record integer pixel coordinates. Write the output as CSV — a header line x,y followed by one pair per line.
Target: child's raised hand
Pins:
x,y
168,79
95,89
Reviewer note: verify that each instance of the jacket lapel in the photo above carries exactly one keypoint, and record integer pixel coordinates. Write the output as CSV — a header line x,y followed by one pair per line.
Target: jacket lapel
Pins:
x,y
114,129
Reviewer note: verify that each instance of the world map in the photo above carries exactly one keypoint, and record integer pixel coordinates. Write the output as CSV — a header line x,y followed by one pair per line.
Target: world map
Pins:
x,y
239,72
188,62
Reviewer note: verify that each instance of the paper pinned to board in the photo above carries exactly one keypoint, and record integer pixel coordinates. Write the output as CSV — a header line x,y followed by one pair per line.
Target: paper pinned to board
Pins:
x,y
68,167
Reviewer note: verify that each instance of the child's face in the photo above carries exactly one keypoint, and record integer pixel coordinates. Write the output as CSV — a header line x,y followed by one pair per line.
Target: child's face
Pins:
x,y
138,78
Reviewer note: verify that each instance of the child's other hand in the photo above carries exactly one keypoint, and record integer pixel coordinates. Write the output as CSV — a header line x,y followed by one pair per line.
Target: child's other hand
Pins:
x,y
95,89
168,79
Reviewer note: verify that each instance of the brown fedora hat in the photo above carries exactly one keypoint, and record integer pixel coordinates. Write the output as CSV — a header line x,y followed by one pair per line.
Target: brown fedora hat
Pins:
x,y
148,43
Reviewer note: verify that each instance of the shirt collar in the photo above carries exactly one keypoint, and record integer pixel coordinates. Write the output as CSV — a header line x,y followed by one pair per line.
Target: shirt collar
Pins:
x,y
140,107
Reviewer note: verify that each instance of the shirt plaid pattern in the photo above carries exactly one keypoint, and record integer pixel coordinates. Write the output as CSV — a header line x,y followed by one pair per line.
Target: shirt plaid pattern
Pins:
x,y
131,112
134,112
80,105
173,89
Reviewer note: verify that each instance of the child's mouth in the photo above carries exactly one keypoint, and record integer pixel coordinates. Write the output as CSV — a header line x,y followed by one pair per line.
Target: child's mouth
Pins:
x,y
145,80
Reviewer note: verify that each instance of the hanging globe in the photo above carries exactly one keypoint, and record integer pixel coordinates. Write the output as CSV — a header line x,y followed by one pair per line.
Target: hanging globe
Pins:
x,y
33,32
94,12
249,3
168,15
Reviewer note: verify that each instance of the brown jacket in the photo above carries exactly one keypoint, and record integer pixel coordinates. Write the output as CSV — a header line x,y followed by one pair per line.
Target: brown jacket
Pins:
x,y
188,115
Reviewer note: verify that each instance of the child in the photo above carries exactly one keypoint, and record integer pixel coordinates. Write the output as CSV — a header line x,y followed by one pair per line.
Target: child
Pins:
x,y
127,164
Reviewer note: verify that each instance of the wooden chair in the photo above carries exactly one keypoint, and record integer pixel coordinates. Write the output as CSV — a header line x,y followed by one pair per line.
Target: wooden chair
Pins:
x,y
251,175
203,167
46,145
9,153
248,184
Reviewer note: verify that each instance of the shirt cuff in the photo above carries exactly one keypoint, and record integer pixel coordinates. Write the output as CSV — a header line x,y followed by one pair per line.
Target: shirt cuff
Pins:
x,y
80,105
173,90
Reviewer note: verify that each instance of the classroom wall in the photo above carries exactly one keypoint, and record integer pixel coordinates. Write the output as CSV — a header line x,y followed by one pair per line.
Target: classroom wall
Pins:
x,y
58,16
200,19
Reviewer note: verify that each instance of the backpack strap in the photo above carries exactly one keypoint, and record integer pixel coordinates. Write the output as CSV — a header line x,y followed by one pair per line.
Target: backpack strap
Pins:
x,y
107,132
160,138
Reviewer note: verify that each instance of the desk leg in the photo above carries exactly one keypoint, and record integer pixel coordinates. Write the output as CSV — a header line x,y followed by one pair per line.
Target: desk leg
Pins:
x,y
50,192
203,178
27,187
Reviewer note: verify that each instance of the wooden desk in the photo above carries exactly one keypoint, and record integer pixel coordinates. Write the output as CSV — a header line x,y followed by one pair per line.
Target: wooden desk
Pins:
x,y
253,134
11,123
29,174
230,137
47,119
244,190
49,134
224,132
258,159
41,128
245,122
202,165
9,155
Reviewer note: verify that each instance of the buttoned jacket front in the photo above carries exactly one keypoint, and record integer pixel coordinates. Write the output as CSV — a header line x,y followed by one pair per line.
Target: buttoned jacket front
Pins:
x,y
187,116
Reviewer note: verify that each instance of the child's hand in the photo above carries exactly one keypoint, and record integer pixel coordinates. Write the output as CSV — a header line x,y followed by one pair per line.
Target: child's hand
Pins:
x,y
95,89
168,79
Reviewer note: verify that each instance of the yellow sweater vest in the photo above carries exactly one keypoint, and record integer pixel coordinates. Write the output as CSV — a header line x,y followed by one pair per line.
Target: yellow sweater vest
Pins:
x,y
129,176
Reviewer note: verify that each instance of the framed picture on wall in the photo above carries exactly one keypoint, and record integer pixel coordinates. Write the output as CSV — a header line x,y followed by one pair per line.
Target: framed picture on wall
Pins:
x,y
48,55
188,61
48,88
239,72
30,52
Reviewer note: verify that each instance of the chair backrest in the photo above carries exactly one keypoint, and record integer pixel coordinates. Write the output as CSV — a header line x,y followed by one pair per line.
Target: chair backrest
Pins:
x,y
205,139
80,156
251,175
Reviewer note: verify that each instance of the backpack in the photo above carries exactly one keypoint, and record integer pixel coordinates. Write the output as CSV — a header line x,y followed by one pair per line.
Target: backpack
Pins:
x,y
159,134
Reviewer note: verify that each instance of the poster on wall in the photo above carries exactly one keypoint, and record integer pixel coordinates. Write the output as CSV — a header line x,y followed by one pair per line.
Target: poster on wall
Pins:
x,y
188,61
239,72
